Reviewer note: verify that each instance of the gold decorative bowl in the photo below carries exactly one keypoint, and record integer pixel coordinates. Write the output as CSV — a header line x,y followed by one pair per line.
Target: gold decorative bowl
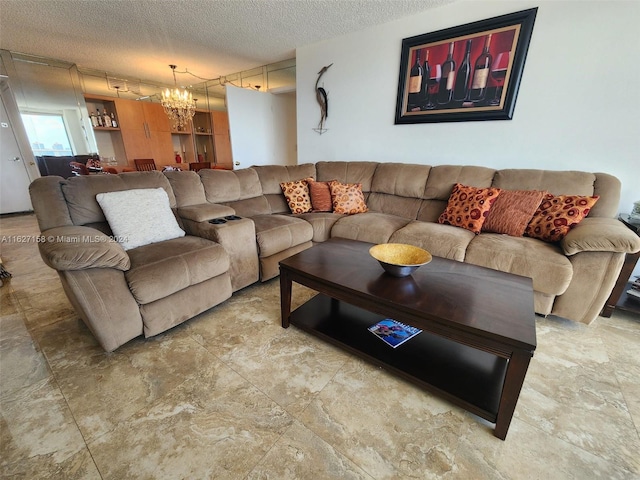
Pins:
x,y
399,259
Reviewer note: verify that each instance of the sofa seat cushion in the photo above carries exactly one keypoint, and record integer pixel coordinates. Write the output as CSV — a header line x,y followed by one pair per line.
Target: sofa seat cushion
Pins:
x,y
276,233
161,269
372,227
322,223
545,263
440,240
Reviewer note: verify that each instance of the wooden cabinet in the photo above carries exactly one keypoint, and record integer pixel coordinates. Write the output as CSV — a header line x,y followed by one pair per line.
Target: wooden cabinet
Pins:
x,y
222,139
203,137
108,139
146,132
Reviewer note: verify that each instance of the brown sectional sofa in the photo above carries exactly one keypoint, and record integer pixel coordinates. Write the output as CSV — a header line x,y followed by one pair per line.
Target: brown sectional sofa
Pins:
x,y
571,279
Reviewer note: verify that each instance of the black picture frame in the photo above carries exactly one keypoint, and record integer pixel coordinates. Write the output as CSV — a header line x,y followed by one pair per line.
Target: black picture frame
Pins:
x,y
478,94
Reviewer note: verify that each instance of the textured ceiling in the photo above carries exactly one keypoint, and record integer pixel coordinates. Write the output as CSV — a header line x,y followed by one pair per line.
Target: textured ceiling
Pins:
x,y
210,38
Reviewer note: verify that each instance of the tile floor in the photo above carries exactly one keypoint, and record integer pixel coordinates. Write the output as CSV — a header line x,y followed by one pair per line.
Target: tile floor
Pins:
x,y
231,395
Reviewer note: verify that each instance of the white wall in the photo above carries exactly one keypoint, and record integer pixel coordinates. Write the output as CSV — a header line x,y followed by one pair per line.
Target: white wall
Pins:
x,y
576,108
262,127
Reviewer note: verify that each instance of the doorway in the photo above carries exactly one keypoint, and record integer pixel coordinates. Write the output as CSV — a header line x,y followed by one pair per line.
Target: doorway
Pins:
x,y
15,157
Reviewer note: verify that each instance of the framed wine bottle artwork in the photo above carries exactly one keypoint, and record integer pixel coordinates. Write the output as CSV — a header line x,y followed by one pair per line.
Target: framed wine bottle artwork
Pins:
x,y
466,73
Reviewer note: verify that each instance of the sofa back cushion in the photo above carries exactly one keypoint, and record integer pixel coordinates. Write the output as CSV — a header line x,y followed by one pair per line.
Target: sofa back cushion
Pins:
x,y
271,176
347,172
187,187
222,186
239,189
440,184
80,192
555,182
49,203
398,188
605,186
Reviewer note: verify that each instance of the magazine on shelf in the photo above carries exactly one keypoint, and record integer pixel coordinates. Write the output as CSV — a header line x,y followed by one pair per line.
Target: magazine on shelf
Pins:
x,y
393,332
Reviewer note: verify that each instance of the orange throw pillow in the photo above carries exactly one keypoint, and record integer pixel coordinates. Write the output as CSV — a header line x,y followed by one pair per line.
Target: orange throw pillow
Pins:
x,y
468,207
347,198
320,196
512,211
557,214
297,195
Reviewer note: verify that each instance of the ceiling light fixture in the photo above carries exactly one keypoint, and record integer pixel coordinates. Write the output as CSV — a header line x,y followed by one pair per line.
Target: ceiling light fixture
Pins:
x,y
178,104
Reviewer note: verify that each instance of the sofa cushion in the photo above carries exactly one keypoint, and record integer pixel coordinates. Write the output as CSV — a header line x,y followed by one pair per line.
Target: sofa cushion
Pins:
x,y
442,178
320,193
161,269
322,223
140,216
222,186
553,181
440,182
80,192
404,180
187,187
347,172
271,176
556,215
512,211
545,263
276,233
439,240
468,207
372,227
253,206
297,194
394,205
347,198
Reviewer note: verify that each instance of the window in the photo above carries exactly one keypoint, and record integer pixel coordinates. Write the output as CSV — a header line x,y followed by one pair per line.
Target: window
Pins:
x,y
47,134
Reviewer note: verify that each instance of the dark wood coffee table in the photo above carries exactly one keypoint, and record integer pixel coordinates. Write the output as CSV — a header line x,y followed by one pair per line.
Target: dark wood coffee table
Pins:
x,y
478,324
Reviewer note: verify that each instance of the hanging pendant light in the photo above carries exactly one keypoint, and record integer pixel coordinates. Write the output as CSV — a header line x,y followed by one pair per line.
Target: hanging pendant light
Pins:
x,y
178,104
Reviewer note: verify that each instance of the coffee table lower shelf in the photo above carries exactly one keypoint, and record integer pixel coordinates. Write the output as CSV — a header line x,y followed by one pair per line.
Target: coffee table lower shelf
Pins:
x,y
468,377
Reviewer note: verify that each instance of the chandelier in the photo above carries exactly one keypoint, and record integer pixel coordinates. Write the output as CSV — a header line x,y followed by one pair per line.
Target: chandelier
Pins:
x,y
178,104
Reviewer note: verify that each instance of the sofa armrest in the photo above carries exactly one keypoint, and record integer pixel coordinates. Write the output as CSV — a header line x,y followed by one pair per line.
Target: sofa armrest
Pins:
x,y
600,234
78,248
205,211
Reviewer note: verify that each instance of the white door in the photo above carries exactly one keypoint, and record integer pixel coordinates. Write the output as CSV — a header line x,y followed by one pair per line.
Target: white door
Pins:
x,y
14,180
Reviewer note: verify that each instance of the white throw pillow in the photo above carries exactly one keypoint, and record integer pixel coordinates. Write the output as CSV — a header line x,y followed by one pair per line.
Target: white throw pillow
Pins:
x,y
140,216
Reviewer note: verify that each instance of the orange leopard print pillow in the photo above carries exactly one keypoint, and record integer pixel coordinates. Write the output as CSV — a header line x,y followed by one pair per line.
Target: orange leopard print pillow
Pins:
x,y
297,195
557,214
347,198
468,207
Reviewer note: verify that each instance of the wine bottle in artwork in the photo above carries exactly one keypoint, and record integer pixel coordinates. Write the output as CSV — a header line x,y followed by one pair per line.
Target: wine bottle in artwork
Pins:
x,y
415,83
481,71
445,91
424,87
463,75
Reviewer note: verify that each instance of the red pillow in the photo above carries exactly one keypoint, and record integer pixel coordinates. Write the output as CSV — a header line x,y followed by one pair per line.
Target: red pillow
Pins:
x,y
556,215
512,211
320,196
468,206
